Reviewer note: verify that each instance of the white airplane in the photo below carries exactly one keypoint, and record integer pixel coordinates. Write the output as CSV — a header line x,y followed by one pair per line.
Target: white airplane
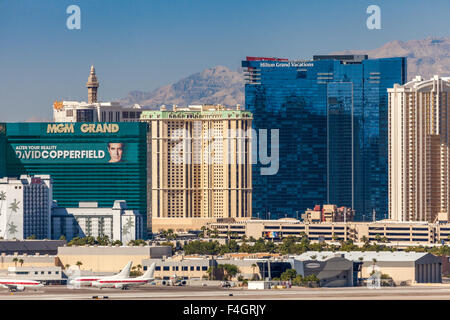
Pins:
x,y
174,281
87,281
19,285
125,283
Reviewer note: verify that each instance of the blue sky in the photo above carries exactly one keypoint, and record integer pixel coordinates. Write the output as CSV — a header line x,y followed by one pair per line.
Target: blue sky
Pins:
x,y
144,44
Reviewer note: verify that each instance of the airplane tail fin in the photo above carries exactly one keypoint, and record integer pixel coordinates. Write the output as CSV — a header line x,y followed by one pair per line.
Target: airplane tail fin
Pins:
x,y
149,274
125,272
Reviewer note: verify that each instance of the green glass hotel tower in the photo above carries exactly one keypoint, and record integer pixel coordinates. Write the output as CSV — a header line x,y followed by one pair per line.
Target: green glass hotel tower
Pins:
x,y
98,162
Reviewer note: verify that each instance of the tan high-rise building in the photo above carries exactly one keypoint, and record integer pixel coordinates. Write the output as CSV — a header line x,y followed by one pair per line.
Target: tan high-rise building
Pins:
x,y
419,127
92,85
200,166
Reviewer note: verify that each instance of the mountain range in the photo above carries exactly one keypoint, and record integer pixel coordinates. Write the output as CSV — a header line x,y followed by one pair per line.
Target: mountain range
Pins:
x,y
220,85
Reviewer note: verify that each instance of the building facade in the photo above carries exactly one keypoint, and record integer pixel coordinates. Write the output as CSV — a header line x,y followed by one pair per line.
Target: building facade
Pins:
x,y
328,213
404,268
419,128
117,223
88,162
25,207
80,111
383,231
199,165
331,113
109,258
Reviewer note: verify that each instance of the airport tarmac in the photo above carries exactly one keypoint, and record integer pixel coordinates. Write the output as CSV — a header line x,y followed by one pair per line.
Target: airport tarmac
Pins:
x,y
215,293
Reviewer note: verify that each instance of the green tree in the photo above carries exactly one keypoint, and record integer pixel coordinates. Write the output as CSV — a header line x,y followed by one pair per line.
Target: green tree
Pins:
x,y
32,237
15,260
79,264
21,262
288,275
230,270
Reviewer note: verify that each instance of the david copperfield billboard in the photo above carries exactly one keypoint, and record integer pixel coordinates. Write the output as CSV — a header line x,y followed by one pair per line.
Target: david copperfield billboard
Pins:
x,y
110,152
99,162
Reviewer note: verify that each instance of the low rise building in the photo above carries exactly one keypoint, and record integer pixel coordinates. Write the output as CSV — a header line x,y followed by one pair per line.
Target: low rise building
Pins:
x,y
328,213
331,270
402,267
196,267
110,258
278,229
401,233
48,275
30,247
25,260
181,266
118,223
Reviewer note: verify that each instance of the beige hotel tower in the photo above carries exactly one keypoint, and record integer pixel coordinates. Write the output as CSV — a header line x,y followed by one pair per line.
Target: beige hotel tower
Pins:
x,y
419,162
199,167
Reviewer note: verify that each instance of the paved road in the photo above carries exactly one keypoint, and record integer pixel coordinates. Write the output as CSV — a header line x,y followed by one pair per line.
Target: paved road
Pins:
x,y
214,293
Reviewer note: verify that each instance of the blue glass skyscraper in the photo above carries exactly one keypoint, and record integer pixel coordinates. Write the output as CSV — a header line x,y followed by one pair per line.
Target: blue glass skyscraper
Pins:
x,y
331,113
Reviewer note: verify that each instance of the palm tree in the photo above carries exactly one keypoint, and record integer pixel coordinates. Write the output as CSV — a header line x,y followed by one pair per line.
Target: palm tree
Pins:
x,y
67,266
15,260
21,262
12,228
79,263
14,206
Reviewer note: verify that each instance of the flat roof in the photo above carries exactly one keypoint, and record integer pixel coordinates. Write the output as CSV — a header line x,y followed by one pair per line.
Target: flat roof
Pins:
x,y
367,256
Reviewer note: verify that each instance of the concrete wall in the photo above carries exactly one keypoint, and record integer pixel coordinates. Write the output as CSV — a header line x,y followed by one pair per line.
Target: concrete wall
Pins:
x,y
29,261
109,259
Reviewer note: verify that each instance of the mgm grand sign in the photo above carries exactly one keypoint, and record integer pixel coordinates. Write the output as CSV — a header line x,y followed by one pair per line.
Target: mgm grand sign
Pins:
x,y
84,128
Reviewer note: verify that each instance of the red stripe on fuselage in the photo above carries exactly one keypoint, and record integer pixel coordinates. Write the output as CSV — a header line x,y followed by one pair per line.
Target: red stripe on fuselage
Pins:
x,y
122,281
25,283
87,279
